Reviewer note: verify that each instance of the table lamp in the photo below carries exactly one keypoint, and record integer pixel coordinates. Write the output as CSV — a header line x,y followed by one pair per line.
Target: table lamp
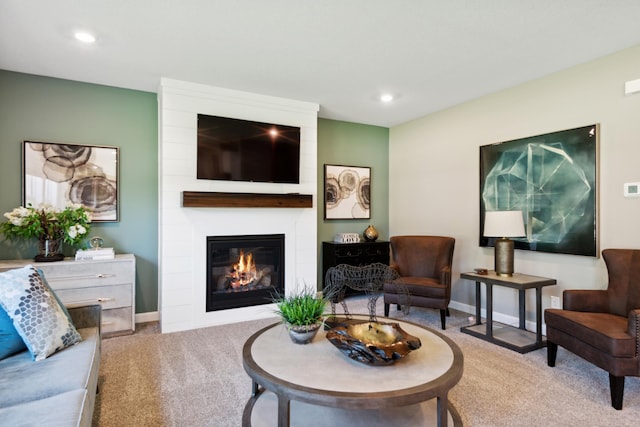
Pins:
x,y
503,224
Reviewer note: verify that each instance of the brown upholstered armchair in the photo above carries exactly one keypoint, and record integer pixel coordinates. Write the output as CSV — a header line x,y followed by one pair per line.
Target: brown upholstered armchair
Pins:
x,y
603,326
424,266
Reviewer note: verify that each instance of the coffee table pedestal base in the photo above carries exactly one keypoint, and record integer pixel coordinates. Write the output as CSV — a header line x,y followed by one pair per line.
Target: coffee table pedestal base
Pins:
x,y
263,412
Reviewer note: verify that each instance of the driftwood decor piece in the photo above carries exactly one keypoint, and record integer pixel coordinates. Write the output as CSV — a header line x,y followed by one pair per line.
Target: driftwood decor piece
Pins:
x,y
373,343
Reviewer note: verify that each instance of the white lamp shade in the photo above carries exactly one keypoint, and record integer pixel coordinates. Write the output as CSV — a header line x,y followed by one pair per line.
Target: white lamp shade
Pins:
x,y
503,224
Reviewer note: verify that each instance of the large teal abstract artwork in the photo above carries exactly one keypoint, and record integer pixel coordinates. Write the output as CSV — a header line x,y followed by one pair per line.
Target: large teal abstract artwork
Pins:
x,y
553,180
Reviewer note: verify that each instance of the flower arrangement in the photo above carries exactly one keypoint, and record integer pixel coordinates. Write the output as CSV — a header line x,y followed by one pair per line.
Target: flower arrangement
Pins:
x,y
45,222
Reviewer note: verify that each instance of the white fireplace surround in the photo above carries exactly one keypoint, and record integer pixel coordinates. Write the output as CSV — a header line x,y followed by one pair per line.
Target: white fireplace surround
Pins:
x,y
183,231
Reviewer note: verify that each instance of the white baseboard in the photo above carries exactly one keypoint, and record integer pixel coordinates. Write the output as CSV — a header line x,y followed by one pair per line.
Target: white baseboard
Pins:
x,y
154,316
151,316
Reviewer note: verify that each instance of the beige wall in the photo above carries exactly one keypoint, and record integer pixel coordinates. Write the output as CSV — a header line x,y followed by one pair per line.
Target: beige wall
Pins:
x,y
434,170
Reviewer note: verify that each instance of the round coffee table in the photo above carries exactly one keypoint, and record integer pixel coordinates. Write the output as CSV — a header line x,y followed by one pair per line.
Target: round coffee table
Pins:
x,y
300,383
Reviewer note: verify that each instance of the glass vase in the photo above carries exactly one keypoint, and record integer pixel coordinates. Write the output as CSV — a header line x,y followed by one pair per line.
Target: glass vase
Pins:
x,y
49,250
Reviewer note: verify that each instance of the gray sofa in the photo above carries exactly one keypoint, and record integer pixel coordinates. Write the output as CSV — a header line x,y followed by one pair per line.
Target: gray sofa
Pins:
x,y
59,390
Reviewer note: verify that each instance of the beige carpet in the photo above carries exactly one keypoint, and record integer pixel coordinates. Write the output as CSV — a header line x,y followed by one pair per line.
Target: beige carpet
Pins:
x,y
195,378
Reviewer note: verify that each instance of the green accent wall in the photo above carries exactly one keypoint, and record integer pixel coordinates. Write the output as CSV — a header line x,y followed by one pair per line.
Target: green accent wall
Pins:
x,y
353,144
53,110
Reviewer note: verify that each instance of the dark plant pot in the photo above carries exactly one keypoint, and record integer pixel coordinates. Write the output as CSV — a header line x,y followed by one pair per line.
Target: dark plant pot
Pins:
x,y
303,334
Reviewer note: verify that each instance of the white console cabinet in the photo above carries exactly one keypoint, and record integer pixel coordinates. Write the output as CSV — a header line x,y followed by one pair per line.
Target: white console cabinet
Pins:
x,y
110,283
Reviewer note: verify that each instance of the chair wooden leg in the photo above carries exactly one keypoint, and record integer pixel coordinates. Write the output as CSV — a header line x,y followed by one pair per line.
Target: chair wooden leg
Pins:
x,y
443,317
552,352
386,310
398,307
448,313
616,384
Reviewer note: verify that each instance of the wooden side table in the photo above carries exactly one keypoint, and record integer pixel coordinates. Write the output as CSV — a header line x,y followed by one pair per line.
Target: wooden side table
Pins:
x,y
517,339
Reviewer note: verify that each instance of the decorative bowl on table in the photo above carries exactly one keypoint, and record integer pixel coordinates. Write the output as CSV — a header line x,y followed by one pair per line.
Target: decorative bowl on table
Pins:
x,y
373,343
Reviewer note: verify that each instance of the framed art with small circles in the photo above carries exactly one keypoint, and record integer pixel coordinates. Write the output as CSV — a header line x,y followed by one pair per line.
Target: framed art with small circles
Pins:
x,y
347,192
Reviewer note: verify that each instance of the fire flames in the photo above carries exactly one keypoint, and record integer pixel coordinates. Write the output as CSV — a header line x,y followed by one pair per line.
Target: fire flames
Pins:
x,y
243,272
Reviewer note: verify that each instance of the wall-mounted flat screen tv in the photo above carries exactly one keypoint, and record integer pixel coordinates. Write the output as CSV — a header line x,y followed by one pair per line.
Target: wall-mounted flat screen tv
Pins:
x,y
241,150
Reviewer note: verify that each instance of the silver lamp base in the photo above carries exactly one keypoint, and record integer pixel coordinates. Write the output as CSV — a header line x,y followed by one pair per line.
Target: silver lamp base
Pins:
x,y
503,254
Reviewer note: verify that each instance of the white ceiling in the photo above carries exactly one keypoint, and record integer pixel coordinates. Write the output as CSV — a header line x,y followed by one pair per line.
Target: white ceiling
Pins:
x,y
342,54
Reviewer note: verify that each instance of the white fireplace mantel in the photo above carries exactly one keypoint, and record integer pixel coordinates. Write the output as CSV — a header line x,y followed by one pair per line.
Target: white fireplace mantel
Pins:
x,y
183,227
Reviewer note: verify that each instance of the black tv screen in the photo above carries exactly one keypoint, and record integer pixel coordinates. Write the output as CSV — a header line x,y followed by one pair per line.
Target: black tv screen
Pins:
x,y
242,150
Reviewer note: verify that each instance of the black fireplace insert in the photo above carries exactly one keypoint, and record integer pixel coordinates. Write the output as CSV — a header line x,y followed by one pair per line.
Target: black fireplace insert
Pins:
x,y
244,270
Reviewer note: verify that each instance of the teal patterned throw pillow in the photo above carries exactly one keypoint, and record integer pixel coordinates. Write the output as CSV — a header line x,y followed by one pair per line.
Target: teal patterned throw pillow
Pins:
x,y
36,314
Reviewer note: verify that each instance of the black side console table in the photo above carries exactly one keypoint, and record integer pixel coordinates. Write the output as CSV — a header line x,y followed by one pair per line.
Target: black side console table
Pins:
x,y
518,339
358,254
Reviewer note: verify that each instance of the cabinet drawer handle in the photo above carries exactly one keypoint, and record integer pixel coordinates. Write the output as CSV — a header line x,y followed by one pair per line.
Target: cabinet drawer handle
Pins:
x,y
80,277
90,301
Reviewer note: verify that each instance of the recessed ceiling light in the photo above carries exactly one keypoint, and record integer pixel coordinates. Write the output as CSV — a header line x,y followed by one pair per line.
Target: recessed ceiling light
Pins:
x,y
85,37
386,97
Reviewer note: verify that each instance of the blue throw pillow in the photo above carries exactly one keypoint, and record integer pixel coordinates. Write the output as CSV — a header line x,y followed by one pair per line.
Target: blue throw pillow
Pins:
x,y
36,313
10,340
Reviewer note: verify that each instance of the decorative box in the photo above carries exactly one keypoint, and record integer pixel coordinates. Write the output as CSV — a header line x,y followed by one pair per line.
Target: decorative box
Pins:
x,y
347,238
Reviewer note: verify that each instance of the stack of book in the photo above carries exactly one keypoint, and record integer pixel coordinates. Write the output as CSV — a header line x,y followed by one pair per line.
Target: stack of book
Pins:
x,y
93,254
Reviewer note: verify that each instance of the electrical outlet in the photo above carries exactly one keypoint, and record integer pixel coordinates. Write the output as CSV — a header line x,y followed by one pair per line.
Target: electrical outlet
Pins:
x,y
555,302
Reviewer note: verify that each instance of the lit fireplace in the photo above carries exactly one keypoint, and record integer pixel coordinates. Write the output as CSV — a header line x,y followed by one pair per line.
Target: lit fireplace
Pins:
x,y
244,270
244,273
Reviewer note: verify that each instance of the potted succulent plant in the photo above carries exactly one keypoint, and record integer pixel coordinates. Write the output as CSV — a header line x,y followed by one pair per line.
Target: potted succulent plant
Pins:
x,y
301,312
